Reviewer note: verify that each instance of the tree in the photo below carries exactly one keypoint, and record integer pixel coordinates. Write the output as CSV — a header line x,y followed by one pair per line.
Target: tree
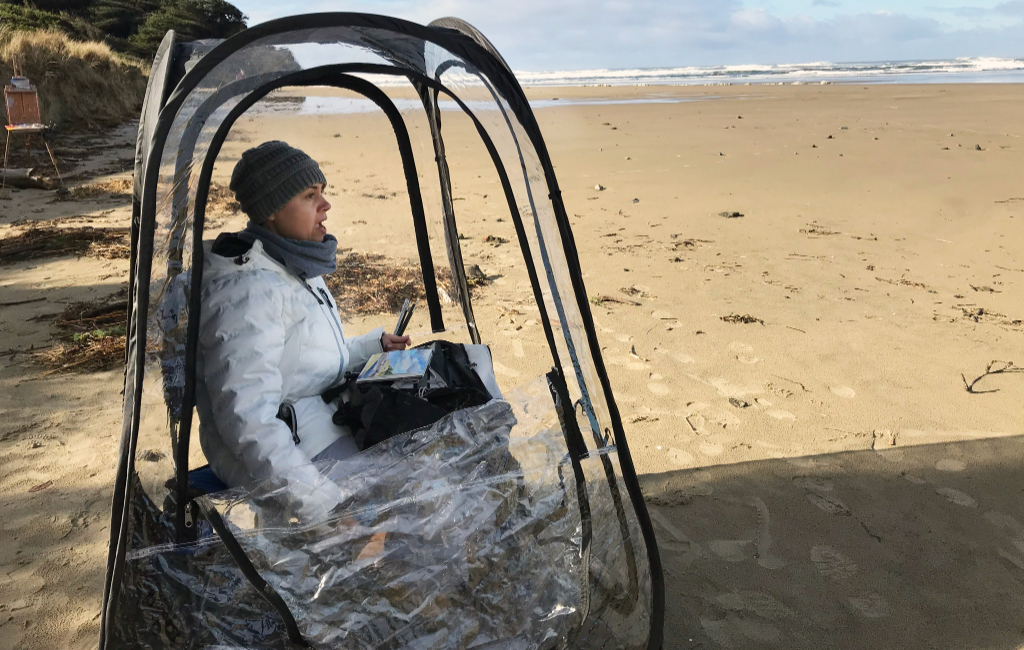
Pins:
x,y
191,20
73,7
132,26
120,19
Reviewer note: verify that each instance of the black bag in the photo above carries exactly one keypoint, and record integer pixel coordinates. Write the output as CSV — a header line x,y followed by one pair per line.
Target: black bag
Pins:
x,y
376,412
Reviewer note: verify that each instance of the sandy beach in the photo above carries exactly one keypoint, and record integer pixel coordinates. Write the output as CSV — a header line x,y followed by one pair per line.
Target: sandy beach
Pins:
x,y
794,287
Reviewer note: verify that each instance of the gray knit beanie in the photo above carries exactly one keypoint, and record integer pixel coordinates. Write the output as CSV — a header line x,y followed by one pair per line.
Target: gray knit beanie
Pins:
x,y
268,176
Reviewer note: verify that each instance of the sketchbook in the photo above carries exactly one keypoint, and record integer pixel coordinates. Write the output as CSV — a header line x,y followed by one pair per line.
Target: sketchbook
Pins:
x,y
397,364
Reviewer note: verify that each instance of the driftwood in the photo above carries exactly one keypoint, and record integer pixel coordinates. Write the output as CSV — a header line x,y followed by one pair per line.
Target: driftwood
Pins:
x,y
994,368
29,178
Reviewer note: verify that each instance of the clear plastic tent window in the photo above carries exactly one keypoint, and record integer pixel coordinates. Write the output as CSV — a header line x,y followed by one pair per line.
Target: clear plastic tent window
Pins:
x,y
516,524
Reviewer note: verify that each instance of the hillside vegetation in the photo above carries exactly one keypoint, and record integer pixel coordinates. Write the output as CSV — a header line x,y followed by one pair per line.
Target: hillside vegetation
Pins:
x,y
81,84
133,27
89,58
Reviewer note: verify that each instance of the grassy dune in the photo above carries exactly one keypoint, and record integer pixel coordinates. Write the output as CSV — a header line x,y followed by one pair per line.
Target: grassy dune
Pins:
x,y
81,85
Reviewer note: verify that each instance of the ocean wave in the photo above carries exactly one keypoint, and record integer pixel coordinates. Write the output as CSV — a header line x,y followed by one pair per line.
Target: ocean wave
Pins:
x,y
953,70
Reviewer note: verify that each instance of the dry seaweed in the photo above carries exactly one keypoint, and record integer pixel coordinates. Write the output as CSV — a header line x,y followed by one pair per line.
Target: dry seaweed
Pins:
x,y
744,318
814,228
118,249
371,283
603,300
220,198
91,337
87,352
118,188
90,316
35,243
903,282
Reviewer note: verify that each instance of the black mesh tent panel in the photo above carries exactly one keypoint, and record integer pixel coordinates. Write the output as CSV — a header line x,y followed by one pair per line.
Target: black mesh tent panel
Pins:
x,y
448,58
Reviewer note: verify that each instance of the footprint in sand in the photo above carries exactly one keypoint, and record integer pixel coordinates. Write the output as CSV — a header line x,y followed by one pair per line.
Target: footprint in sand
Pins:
x,y
732,550
765,605
728,389
680,457
504,371
814,483
871,605
724,419
843,391
891,455
832,564
710,449
699,423
958,497
625,361
696,407
603,328
1006,522
829,504
672,538
517,348
771,411
738,630
884,444
950,465
762,604
804,462
682,357
1012,527
659,389
914,479
744,353
730,601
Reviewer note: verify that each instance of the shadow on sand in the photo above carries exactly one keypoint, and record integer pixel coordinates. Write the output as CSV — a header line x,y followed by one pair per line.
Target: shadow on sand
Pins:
x,y
910,547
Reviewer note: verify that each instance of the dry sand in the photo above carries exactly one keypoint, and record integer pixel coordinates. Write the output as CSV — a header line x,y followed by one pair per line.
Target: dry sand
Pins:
x,y
818,478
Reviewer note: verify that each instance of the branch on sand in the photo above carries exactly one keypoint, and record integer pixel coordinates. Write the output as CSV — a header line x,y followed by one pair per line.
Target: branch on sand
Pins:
x,y
993,368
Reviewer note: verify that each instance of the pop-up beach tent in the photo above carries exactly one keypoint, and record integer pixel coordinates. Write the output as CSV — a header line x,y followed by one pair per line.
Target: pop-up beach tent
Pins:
x,y
516,524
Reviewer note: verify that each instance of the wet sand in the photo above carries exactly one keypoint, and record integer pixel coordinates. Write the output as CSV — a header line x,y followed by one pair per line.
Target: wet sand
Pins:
x,y
819,476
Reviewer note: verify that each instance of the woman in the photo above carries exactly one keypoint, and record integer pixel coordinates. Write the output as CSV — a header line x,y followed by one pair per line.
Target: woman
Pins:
x,y
270,339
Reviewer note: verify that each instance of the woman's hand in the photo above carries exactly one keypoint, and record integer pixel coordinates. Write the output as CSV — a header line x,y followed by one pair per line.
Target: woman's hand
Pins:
x,y
389,342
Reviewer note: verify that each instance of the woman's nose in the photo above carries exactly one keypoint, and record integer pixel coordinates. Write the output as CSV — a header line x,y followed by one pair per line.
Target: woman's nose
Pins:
x,y
325,206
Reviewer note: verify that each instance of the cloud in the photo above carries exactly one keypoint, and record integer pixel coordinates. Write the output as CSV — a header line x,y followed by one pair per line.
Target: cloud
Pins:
x,y
825,3
588,34
1014,8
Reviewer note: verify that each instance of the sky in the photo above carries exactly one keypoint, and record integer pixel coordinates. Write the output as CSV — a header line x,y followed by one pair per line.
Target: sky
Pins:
x,y
537,35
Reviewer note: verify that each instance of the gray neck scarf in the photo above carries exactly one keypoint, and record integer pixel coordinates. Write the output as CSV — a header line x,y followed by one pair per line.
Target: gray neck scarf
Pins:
x,y
305,259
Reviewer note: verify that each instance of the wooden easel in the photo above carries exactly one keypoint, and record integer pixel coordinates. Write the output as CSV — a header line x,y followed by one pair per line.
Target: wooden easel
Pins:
x,y
23,117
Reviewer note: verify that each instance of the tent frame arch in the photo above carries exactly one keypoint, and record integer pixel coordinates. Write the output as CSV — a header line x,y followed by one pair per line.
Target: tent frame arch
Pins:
x,y
460,39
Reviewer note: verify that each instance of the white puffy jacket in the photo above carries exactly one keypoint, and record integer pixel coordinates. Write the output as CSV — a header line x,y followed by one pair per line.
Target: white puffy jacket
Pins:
x,y
267,338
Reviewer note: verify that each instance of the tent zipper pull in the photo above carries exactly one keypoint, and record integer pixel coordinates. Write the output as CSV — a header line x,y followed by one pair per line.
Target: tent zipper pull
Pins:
x,y
188,515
